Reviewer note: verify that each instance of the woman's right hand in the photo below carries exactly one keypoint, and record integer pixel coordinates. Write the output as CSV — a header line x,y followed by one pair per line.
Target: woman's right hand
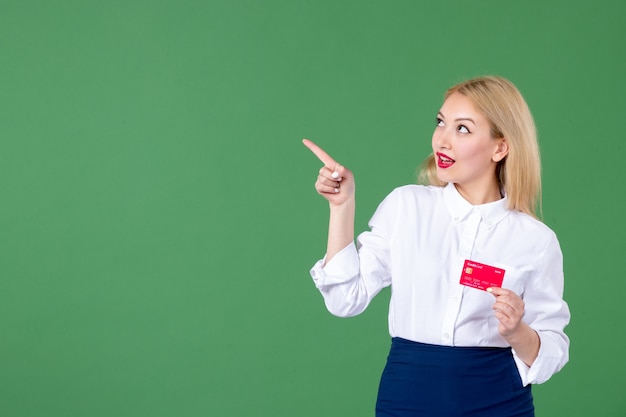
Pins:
x,y
335,182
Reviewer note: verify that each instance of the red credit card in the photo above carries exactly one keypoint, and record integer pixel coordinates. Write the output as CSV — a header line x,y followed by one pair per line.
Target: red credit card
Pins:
x,y
481,276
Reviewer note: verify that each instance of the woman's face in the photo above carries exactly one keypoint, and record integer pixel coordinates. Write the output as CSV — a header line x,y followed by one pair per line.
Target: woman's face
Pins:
x,y
465,152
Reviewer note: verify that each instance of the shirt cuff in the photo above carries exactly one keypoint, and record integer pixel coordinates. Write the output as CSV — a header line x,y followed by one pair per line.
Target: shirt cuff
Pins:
x,y
340,269
544,366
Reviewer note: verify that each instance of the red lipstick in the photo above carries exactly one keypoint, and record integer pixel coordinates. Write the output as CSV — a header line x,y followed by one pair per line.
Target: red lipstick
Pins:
x,y
444,161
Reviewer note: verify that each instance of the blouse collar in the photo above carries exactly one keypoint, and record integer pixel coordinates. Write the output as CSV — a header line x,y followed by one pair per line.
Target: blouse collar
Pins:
x,y
460,208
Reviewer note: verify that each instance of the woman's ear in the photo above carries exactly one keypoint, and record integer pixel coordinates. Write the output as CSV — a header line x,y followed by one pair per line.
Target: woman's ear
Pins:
x,y
502,150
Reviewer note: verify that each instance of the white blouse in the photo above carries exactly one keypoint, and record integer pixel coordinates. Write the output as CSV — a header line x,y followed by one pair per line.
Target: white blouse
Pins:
x,y
420,237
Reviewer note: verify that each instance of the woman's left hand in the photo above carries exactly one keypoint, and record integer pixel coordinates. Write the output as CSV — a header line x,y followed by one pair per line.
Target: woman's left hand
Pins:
x,y
509,310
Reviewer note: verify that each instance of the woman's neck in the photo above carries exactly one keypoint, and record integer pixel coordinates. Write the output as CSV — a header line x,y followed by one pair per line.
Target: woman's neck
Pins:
x,y
477,196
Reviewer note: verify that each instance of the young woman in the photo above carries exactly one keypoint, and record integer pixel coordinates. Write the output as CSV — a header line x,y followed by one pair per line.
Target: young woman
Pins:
x,y
477,311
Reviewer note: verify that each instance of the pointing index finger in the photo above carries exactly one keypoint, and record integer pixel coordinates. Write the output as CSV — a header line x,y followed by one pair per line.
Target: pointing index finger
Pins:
x,y
321,154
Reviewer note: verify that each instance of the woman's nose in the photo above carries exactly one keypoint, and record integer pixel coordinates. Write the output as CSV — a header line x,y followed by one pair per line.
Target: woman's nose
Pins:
x,y
441,139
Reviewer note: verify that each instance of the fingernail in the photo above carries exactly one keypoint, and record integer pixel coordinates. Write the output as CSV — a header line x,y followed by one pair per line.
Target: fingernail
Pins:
x,y
335,175
489,289
336,190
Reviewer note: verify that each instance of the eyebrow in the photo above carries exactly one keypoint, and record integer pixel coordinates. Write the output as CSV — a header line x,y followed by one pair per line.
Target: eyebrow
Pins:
x,y
458,119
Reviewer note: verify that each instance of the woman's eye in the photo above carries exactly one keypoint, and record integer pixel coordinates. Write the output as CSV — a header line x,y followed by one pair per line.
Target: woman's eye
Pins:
x,y
439,122
463,129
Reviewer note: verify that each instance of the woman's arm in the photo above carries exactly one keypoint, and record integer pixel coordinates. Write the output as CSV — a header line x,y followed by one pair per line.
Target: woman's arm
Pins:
x,y
534,326
509,310
336,184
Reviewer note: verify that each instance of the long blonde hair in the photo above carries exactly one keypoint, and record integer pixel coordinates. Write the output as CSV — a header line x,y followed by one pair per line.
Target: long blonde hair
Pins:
x,y
519,173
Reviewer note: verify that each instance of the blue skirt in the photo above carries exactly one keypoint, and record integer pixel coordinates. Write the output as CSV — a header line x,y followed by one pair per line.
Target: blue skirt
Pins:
x,y
441,381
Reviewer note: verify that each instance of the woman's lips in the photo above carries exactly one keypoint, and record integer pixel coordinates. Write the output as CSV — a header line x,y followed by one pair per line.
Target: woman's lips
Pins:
x,y
444,161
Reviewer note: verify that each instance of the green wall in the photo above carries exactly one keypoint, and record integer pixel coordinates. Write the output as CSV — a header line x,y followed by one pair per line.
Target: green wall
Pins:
x,y
157,211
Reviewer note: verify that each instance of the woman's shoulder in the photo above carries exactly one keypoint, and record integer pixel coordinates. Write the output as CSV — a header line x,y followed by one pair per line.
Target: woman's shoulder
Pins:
x,y
410,198
408,202
417,191
532,225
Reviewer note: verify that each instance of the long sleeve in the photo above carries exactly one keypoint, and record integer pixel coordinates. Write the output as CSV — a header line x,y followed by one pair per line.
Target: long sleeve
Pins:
x,y
547,313
353,277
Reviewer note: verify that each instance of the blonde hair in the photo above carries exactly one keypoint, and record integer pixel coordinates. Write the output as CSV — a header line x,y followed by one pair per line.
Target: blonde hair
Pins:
x,y
519,173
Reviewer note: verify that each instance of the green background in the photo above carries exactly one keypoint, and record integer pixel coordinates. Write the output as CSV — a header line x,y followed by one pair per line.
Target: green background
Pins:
x,y
157,212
